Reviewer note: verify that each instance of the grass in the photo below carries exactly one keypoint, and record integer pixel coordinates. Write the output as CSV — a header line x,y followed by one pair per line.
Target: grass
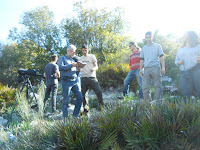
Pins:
x,y
130,124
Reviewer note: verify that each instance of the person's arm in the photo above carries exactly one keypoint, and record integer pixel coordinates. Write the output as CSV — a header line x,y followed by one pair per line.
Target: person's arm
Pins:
x,y
179,61
141,66
65,66
95,67
95,64
58,73
44,75
162,61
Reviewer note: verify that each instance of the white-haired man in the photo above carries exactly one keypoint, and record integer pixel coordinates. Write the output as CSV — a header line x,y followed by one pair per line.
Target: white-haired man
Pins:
x,y
69,77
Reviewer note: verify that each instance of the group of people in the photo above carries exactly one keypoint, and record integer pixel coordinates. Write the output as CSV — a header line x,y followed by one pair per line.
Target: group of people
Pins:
x,y
146,64
77,75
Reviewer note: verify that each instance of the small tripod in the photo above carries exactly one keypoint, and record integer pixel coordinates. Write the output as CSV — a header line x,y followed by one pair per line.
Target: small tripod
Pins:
x,y
28,85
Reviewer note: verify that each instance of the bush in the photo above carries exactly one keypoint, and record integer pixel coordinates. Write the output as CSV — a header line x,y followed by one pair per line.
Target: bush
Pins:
x,y
113,75
7,97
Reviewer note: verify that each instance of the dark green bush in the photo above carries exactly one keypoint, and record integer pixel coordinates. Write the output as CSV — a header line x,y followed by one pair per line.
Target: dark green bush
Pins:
x,y
113,75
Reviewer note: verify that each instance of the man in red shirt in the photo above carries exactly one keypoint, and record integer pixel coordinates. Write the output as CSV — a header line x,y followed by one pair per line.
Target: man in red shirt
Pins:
x,y
134,64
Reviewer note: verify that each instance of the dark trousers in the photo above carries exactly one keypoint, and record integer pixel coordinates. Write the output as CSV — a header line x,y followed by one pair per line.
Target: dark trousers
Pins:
x,y
91,82
53,90
190,83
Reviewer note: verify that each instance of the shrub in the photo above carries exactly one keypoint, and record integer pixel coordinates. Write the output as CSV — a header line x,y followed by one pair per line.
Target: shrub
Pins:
x,y
113,75
7,96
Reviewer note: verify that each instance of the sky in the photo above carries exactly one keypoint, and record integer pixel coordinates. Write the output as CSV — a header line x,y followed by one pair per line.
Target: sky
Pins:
x,y
166,16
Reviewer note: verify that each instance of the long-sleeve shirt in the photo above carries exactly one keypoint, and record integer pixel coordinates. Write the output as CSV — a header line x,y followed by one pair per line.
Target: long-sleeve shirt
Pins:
x,y
134,61
66,68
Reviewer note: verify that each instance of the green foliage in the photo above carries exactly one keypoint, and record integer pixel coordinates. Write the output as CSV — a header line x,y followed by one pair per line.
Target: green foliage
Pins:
x,y
23,55
170,45
112,75
39,28
7,97
127,125
101,29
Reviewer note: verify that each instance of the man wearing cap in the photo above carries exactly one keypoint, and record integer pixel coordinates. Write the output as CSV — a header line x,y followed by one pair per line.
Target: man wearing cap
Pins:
x,y
134,64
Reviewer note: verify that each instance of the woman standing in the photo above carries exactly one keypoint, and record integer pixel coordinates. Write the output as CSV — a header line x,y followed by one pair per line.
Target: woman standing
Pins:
x,y
187,58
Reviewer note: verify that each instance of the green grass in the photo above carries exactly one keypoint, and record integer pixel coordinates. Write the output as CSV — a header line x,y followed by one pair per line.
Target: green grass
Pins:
x,y
131,124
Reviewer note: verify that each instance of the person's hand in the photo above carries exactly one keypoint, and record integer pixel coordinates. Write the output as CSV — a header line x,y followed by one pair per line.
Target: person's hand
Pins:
x,y
91,70
163,71
74,64
181,62
141,72
198,59
78,69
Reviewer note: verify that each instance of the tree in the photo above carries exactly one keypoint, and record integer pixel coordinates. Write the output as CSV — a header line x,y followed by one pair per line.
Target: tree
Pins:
x,y
102,30
22,55
39,27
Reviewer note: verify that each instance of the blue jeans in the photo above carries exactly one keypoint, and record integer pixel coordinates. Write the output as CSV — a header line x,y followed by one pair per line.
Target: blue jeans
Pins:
x,y
130,77
67,87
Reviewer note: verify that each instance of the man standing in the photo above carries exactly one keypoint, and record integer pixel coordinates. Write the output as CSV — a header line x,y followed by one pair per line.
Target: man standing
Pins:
x,y
134,64
88,78
52,74
149,59
69,77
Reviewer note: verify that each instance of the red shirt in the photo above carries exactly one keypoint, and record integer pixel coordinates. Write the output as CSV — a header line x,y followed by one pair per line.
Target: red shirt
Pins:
x,y
134,62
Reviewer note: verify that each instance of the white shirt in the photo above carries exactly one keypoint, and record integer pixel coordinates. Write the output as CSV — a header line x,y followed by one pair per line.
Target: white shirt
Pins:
x,y
90,59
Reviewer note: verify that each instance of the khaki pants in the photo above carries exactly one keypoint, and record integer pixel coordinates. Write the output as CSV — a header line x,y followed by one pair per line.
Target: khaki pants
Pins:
x,y
152,75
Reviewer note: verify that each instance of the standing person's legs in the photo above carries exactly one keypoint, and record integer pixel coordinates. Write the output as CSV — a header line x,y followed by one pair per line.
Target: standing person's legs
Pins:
x,y
94,84
79,98
47,94
66,89
54,89
196,81
156,77
146,84
84,89
139,82
130,77
186,85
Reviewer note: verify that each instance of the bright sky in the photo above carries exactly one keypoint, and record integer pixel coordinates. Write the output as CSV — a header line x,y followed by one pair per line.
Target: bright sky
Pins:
x,y
167,16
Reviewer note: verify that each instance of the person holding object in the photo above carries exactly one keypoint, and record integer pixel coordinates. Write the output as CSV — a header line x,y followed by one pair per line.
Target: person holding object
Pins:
x,y
51,73
149,59
134,64
69,76
88,78
188,60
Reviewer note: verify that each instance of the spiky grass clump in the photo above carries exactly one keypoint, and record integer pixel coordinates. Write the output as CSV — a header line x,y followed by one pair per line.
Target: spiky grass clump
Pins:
x,y
129,125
